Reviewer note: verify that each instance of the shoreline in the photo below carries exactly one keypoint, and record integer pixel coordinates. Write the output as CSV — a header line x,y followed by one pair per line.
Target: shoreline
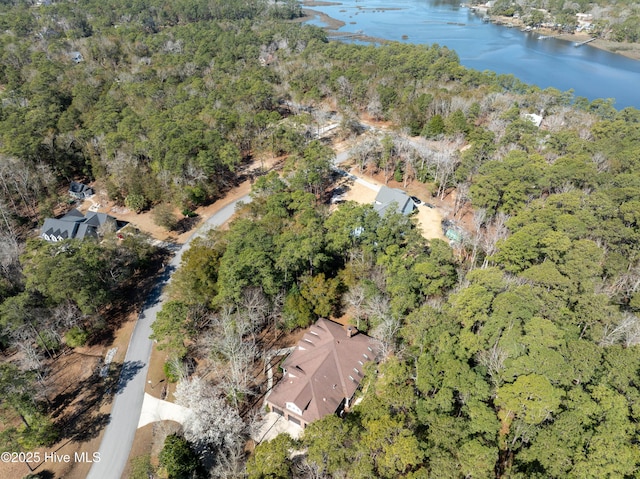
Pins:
x,y
309,14
628,50
333,24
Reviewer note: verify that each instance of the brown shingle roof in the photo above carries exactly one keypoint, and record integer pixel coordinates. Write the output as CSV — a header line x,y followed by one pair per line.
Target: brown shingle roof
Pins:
x,y
324,369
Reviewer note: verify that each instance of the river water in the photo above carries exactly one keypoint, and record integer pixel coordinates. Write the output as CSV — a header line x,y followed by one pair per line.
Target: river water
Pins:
x,y
547,62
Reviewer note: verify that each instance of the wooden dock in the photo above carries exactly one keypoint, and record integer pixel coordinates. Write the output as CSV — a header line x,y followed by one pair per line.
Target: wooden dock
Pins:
x,y
579,44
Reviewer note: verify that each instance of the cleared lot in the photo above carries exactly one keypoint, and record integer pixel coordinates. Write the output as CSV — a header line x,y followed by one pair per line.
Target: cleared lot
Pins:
x,y
429,219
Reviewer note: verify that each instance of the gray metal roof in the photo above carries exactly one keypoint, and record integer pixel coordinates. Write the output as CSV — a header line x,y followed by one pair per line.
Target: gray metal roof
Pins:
x,y
80,190
75,225
393,196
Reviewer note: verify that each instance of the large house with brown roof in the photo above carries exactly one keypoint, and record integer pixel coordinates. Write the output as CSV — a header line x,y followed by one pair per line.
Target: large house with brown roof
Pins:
x,y
322,374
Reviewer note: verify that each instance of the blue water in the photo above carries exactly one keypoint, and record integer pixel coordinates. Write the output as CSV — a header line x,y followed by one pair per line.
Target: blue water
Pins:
x,y
590,72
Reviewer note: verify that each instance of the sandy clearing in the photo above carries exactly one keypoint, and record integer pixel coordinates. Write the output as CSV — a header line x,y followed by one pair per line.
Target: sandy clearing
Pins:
x,y
364,192
358,192
430,222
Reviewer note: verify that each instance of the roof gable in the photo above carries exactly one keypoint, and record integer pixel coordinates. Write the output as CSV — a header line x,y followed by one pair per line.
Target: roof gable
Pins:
x,y
57,228
392,196
323,370
76,187
75,225
72,215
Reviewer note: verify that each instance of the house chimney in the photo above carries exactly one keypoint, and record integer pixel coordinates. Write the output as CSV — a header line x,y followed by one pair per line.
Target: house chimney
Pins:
x,y
351,331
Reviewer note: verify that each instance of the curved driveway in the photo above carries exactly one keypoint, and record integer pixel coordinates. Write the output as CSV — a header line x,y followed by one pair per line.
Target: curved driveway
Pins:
x,y
125,413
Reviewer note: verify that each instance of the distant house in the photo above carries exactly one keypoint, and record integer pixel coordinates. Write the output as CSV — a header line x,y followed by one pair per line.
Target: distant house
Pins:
x,y
79,190
533,118
322,374
387,197
75,225
584,19
76,57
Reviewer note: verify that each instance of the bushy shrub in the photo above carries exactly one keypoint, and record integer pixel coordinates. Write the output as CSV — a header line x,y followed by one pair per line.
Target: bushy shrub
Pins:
x,y
135,203
172,370
163,216
178,458
297,312
76,337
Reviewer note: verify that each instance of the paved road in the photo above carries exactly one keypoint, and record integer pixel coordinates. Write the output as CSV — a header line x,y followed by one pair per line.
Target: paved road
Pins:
x,y
125,413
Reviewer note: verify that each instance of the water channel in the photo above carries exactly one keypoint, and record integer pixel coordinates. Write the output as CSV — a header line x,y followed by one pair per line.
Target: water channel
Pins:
x,y
545,62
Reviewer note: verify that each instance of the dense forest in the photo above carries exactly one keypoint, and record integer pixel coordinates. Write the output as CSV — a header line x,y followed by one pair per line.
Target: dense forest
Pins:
x,y
513,354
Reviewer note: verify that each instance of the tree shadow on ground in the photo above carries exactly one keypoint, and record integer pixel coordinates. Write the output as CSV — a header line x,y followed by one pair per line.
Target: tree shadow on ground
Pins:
x,y
187,223
42,475
128,371
77,409
131,296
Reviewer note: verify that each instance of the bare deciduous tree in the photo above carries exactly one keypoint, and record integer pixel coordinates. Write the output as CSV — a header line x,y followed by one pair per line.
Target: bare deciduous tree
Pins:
x,y
10,250
387,333
374,107
493,359
345,89
626,283
366,152
231,464
31,359
462,196
376,306
66,315
406,153
255,306
445,161
22,183
277,304
601,161
212,424
355,298
493,233
234,349
626,332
